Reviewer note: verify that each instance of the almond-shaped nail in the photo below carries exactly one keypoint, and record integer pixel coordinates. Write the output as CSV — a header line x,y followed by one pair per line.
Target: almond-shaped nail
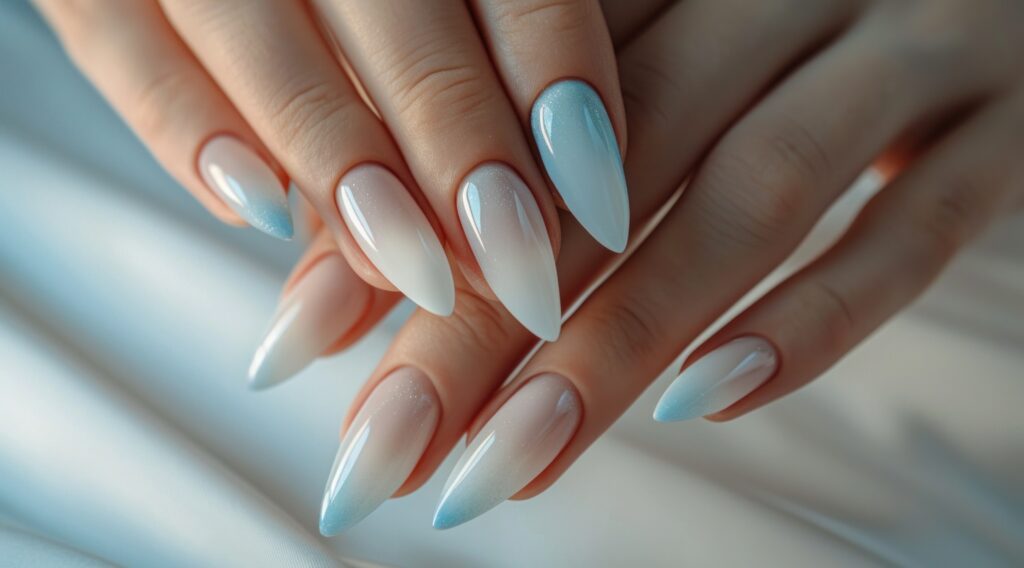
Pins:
x,y
522,438
397,238
718,380
581,155
506,231
380,449
325,303
247,184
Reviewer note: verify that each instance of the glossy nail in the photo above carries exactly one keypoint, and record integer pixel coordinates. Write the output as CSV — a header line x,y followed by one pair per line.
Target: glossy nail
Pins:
x,y
577,144
324,304
506,231
247,184
522,438
380,449
396,236
718,380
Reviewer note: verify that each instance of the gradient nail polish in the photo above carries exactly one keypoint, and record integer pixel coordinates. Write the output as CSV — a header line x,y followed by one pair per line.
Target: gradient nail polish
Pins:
x,y
577,144
396,236
247,184
380,449
517,444
313,315
506,231
718,380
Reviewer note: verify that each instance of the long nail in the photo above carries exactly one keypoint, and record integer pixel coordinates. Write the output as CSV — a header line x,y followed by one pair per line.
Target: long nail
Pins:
x,y
380,449
506,231
516,444
718,380
397,238
581,155
247,184
312,316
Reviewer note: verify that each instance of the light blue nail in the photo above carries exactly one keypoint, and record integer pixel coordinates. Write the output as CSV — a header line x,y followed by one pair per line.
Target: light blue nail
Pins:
x,y
581,155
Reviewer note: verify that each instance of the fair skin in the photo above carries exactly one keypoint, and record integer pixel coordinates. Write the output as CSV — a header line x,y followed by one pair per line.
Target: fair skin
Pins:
x,y
769,110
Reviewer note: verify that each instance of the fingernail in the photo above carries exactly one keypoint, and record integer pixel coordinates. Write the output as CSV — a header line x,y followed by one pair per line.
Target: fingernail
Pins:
x,y
718,380
380,449
581,155
397,238
506,231
247,184
312,316
517,443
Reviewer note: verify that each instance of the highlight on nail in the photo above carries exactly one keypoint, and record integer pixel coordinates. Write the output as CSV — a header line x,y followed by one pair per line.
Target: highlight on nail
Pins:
x,y
326,302
718,380
394,234
380,448
247,184
580,152
519,442
505,229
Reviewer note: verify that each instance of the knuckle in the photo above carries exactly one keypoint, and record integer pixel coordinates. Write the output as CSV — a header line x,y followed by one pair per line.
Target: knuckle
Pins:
x,y
153,105
627,329
560,17
832,316
436,85
310,111
480,323
947,219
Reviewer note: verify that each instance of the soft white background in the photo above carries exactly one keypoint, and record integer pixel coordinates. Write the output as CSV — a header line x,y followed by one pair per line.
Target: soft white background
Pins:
x,y
128,315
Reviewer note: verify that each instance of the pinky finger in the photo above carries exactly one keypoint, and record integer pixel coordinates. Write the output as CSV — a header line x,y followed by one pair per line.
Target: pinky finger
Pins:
x,y
897,246
136,60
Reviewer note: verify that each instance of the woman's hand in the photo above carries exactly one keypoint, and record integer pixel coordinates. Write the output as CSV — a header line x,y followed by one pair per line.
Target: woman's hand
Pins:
x,y
408,136
783,104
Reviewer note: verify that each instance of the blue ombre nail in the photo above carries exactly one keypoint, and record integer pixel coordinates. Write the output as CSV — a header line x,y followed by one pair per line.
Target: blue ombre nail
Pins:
x,y
247,184
581,155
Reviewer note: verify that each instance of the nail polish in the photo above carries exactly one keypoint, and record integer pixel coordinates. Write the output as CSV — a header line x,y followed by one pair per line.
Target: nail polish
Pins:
x,y
581,155
380,449
313,315
506,231
522,438
395,235
718,380
247,184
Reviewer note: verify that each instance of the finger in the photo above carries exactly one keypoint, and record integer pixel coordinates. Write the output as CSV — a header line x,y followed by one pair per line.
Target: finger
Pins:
x,y
269,58
756,195
431,79
469,355
899,244
133,56
556,60
324,307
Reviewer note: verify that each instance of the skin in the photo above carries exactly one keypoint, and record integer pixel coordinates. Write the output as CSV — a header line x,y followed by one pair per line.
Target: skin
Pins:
x,y
311,110
932,91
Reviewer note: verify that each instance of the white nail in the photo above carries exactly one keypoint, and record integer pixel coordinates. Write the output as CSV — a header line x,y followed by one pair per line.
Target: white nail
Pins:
x,y
247,184
506,231
397,238
718,380
522,439
312,316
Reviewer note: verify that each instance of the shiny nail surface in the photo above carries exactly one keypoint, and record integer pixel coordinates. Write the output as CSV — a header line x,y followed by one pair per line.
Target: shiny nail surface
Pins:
x,y
397,238
506,231
247,184
577,144
315,313
718,380
522,438
380,449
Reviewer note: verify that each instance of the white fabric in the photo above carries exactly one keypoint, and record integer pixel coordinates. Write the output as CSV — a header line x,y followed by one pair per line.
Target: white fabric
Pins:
x,y
127,317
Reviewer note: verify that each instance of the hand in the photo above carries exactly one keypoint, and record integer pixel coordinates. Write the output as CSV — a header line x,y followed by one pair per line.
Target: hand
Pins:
x,y
236,98
933,91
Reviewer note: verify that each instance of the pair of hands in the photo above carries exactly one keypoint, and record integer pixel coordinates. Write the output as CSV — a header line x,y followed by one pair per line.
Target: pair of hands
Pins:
x,y
769,109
